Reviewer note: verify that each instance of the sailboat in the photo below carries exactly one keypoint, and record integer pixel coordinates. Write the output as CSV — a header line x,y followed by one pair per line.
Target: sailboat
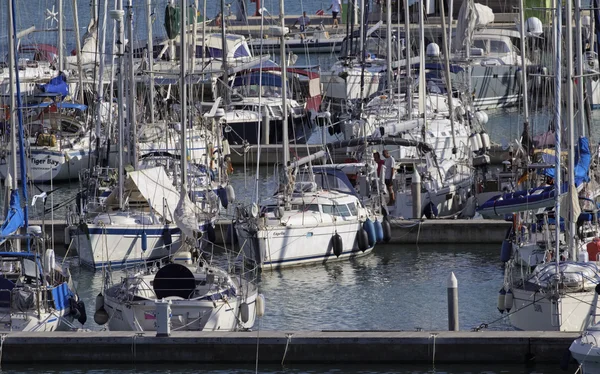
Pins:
x,y
558,295
35,293
202,297
304,222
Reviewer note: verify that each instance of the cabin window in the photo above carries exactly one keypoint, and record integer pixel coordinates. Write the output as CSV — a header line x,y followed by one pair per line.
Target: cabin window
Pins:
x,y
336,210
499,46
215,52
353,209
478,43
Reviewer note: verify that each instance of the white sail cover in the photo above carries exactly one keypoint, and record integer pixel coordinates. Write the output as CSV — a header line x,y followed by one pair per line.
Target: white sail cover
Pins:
x,y
150,185
470,17
185,218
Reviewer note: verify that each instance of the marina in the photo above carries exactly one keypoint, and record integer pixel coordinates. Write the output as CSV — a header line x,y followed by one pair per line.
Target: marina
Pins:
x,y
356,186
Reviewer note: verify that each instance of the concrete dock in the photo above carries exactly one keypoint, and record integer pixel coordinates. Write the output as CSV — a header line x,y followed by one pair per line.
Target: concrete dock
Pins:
x,y
300,347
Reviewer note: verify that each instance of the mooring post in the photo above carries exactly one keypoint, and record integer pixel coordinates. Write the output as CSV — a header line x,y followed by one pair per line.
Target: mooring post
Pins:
x,y
452,303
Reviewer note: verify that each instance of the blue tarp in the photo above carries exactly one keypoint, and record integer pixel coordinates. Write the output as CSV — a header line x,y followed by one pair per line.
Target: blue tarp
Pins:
x,y
57,85
59,105
14,219
583,158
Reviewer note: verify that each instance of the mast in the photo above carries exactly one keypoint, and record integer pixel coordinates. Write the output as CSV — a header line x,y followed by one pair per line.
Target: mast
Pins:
x,y
121,92
409,87
102,50
389,43
569,123
524,68
183,98
557,119
150,60
19,112
195,36
225,67
447,70
78,49
61,41
284,130
131,115
579,67
13,104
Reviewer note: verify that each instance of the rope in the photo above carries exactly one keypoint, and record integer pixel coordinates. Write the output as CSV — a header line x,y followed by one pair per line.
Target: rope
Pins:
x,y
486,325
2,337
289,339
433,335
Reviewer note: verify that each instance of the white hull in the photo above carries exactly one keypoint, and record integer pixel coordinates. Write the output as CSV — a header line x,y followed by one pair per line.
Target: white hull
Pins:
x,y
457,192
47,165
186,315
121,245
29,321
285,246
534,311
586,351
348,88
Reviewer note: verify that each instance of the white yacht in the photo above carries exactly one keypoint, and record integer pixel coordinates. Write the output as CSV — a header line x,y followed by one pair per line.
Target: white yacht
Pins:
x,y
307,223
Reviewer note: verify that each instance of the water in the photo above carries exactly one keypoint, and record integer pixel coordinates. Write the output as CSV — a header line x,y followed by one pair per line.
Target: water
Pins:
x,y
398,287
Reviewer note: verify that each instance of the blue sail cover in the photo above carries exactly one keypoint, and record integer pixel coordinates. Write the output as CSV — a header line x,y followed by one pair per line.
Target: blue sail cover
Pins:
x,y
14,219
583,158
57,85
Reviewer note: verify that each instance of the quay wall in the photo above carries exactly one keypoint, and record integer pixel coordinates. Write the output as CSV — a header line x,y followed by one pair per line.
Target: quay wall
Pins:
x,y
300,347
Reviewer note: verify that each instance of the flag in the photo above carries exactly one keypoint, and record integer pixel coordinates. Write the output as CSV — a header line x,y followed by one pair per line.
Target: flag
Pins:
x,y
320,12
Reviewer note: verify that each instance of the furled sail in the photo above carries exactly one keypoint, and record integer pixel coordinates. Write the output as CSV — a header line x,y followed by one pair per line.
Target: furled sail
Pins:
x,y
14,219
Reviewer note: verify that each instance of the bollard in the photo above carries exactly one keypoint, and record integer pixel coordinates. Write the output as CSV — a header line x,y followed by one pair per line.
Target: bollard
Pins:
x,y
416,195
163,318
452,303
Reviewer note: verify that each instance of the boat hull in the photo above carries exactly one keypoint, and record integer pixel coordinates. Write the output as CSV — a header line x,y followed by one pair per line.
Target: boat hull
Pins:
x,y
299,245
533,311
186,315
47,165
121,245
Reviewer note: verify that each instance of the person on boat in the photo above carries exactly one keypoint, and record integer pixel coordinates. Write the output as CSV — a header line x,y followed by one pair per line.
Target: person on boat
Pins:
x,y
379,162
303,20
336,8
389,175
219,19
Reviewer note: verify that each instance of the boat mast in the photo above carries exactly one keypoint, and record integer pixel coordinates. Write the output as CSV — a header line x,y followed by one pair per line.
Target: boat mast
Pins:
x,y
225,93
102,50
131,115
150,61
447,70
119,13
571,128
409,87
389,45
557,126
284,130
60,35
78,50
183,98
17,108
524,68
579,67
13,105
